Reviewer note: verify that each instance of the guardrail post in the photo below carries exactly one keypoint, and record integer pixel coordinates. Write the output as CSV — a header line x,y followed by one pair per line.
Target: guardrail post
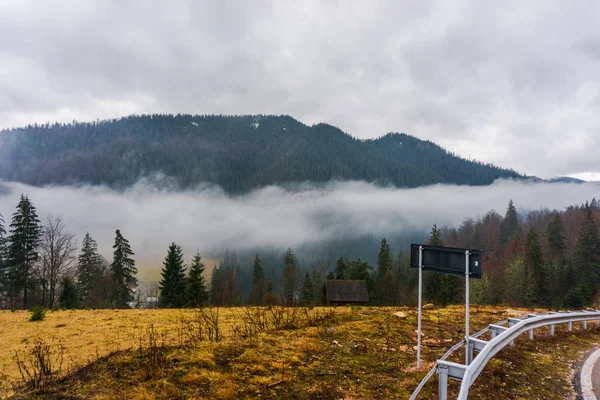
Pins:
x,y
551,330
570,326
531,334
584,324
442,371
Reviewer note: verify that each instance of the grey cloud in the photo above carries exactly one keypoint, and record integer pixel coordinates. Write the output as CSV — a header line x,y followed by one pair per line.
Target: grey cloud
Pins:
x,y
153,213
504,82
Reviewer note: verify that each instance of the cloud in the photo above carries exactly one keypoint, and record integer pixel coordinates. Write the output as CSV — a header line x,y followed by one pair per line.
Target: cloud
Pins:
x,y
152,214
514,84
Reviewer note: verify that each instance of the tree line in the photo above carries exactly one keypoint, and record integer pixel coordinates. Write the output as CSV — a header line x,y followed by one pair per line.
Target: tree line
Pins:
x,y
238,153
542,258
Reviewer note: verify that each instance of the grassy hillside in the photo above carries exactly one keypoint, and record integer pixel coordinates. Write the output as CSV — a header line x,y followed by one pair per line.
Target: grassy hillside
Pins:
x,y
236,153
326,353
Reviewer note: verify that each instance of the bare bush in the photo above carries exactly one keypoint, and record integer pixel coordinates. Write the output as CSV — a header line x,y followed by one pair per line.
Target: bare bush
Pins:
x,y
192,330
153,351
210,318
40,364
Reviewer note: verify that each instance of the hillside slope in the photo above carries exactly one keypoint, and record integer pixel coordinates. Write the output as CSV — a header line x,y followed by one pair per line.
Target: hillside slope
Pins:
x,y
238,153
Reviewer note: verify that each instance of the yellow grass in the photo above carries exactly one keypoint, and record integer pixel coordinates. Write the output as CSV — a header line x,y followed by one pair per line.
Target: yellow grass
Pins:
x,y
373,356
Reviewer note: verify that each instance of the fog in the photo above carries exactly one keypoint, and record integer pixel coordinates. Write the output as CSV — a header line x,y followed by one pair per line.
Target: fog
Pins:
x,y
153,213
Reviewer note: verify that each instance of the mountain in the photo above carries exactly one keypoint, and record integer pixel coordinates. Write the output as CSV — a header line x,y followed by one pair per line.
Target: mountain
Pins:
x,y
565,179
239,153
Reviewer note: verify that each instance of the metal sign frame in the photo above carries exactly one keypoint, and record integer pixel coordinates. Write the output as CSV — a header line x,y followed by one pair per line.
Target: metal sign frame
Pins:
x,y
471,269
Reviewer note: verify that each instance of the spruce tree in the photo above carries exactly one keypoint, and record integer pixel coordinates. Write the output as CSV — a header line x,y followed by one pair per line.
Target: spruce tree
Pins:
x,y
440,288
534,260
123,272
386,287
290,277
257,292
196,286
69,296
520,284
172,284
587,256
3,255
216,287
340,268
510,224
24,240
307,293
89,268
560,275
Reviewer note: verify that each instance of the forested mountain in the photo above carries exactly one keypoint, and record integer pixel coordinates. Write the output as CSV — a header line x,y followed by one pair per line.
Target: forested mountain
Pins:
x,y
237,153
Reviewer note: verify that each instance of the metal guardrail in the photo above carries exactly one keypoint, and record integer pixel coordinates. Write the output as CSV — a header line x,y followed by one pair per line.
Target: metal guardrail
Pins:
x,y
500,337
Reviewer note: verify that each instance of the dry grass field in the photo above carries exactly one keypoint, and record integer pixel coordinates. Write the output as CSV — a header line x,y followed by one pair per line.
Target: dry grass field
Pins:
x,y
322,353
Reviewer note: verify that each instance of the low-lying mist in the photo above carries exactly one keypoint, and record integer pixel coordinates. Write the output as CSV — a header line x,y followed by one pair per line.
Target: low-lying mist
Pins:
x,y
153,215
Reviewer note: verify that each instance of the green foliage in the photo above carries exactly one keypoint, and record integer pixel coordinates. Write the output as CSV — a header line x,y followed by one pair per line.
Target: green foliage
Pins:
x,y
24,240
69,296
439,288
89,269
232,152
587,255
386,287
290,277
173,282
510,225
38,313
481,291
520,283
534,260
123,272
257,292
196,287
307,293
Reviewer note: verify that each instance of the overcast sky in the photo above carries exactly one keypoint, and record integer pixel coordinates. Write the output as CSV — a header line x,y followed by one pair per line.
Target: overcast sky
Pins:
x,y
514,83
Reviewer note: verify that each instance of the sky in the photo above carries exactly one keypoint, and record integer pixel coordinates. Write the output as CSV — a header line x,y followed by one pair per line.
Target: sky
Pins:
x,y
152,216
513,83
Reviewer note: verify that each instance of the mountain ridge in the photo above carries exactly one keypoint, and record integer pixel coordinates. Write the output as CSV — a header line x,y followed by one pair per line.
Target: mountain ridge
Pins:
x,y
238,153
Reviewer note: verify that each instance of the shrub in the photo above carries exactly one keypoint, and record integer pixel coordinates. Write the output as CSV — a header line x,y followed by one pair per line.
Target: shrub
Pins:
x,y
37,314
56,307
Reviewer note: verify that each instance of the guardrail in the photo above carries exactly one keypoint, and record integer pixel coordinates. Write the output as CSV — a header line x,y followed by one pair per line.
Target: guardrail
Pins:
x,y
501,336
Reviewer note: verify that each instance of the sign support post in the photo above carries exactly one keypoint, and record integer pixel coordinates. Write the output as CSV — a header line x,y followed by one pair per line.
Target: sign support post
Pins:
x,y
468,353
420,306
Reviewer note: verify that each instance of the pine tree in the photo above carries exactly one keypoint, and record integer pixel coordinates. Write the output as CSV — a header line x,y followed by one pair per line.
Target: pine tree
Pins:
x,y
270,298
587,256
340,268
123,272
440,288
69,297
555,234
290,277
560,275
24,241
196,287
307,293
216,287
257,292
510,225
3,255
386,287
172,284
89,268
534,260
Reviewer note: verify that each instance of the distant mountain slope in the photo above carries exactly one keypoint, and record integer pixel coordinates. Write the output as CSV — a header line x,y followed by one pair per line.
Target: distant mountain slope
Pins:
x,y
238,153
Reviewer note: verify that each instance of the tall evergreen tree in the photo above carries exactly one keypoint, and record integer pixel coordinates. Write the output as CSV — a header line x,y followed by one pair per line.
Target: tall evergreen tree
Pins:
x,y
555,234
440,288
89,268
340,268
307,293
290,277
386,287
123,272
196,286
520,284
534,260
257,292
510,224
69,297
587,256
172,284
560,275
24,240
216,287
3,254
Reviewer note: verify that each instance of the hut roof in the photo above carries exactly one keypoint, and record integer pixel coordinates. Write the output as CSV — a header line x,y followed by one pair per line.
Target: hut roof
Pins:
x,y
346,290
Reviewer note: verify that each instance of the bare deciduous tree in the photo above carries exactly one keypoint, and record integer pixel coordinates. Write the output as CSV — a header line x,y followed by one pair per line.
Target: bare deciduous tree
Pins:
x,y
57,257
